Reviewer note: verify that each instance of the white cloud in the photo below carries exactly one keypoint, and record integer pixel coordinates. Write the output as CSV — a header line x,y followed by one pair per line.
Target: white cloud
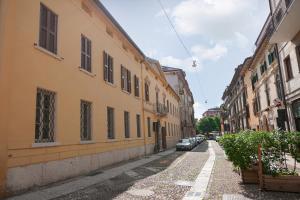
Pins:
x,y
200,53
185,64
211,54
231,22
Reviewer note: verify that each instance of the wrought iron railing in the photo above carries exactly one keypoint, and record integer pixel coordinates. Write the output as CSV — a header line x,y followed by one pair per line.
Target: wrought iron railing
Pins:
x,y
160,109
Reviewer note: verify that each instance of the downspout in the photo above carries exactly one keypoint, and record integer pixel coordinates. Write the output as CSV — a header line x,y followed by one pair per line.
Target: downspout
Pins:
x,y
142,106
280,74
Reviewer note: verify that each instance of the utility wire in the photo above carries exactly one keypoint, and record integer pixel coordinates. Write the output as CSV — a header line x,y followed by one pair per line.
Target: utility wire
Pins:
x,y
173,27
184,46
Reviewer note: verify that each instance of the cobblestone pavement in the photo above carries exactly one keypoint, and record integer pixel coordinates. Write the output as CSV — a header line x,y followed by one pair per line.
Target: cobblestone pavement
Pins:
x,y
227,184
169,177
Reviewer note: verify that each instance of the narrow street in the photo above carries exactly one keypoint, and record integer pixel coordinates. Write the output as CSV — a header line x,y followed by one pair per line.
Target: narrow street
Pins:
x,y
168,175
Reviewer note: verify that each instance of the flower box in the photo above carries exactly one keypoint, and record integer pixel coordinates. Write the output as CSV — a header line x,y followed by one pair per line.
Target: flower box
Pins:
x,y
281,183
250,176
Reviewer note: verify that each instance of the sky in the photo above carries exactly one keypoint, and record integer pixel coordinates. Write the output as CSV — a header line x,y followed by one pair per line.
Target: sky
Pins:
x,y
219,34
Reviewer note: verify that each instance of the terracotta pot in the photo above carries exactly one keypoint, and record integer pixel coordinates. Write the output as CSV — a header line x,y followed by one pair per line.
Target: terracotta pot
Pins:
x,y
250,176
281,183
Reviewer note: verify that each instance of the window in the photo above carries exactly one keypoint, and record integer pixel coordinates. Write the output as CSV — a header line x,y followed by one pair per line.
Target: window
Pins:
x,y
267,90
44,119
168,109
254,79
85,120
86,52
149,126
147,91
138,125
298,56
136,86
110,123
288,68
125,79
108,68
263,68
126,124
169,129
271,57
279,86
48,29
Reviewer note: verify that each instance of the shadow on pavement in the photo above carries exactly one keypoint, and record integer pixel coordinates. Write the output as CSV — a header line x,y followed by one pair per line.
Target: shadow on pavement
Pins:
x,y
111,188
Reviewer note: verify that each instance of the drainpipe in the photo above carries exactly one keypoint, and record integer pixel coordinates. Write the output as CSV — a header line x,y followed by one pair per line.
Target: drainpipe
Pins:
x,y
280,73
143,110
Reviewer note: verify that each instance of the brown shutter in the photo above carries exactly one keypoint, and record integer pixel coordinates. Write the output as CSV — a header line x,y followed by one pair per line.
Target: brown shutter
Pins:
x,y
122,77
111,70
104,66
129,81
89,55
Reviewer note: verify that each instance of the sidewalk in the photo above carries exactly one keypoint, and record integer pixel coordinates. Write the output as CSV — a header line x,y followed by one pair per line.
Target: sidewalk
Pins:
x,y
226,184
52,192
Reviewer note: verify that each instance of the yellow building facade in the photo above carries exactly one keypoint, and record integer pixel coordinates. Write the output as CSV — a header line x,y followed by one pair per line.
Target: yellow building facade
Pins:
x,y
77,94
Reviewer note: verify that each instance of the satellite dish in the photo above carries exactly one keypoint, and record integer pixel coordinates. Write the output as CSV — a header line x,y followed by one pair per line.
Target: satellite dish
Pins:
x,y
194,63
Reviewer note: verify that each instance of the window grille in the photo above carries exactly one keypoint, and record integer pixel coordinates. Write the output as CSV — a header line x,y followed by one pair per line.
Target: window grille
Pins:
x,y
85,120
45,115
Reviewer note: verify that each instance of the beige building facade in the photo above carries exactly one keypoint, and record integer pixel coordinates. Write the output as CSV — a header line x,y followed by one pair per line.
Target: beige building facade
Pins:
x,y
177,79
77,93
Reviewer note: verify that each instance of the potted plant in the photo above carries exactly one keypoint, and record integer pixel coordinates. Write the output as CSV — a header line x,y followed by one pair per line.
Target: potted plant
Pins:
x,y
241,150
275,174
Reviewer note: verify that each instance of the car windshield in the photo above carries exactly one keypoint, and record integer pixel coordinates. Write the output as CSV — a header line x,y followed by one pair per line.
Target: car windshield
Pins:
x,y
184,141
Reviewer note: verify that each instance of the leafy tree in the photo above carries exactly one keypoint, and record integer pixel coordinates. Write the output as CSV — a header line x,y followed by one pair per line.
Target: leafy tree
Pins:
x,y
208,124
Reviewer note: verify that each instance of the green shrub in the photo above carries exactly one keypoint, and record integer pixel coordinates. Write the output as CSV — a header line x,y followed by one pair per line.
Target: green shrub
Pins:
x,y
242,150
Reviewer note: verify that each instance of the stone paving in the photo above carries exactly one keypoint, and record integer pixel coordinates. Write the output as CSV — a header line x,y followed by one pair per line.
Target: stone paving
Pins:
x,y
169,177
227,185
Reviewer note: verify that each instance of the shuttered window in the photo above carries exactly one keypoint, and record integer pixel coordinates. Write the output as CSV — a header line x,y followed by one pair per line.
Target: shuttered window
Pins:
x,y
298,56
147,92
86,54
108,70
125,79
126,124
48,29
110,123
138,125
288,68
136,86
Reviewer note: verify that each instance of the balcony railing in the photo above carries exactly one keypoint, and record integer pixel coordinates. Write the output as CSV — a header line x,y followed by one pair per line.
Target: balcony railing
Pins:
x,y
280,11
160,109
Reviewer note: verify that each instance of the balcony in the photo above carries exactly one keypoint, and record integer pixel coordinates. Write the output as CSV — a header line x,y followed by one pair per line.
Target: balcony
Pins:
x,y
286,17
160,109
